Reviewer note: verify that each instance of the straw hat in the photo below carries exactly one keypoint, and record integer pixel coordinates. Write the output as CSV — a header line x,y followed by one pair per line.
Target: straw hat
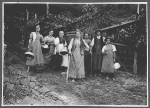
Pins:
x,y
29,55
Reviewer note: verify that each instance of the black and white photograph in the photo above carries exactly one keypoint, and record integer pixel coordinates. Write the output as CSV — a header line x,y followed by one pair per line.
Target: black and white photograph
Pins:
x,y
75,54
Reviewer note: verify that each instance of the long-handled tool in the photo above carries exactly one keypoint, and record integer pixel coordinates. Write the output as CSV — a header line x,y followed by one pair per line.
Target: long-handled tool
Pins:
x,y
122,64
91,65
68,67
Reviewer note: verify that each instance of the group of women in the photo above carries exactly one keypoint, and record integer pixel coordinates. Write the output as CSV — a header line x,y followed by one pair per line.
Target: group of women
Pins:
x,y
83,54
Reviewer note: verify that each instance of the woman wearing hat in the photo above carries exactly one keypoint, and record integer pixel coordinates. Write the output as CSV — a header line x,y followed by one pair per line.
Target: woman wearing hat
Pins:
x,y
97,43
49,41
35,49
76,49
108,59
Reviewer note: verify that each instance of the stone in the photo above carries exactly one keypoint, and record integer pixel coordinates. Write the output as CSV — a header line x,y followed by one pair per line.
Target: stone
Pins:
x,y
18,72
32,84
13,102
48,101
62,97
52,87
41,96
43,89
13,79
54,94
6,79
35,92
36,87
10,86
59,102
25,81
30,101
33,79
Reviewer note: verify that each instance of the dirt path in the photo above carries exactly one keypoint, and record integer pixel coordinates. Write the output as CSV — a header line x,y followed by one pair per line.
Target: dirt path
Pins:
x,y
48,88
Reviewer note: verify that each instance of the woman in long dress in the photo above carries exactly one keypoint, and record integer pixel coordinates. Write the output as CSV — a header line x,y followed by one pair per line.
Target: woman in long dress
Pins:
x,y
76,49
35,48
108,59
49,40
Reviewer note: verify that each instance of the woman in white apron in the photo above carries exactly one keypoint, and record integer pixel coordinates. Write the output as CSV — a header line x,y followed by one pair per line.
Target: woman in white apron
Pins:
x,y
61,44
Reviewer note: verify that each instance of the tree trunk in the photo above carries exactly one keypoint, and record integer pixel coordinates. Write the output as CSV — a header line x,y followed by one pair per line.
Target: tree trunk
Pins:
x,y
135,63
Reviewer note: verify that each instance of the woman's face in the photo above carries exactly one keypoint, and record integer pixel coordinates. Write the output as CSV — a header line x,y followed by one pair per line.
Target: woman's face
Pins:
x,y
37,28
86,36
51,33
98,33
61,34
78,34
108,41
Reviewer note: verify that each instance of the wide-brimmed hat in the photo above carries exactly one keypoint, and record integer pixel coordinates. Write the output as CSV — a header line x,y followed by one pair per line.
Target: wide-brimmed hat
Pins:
x,y
29,55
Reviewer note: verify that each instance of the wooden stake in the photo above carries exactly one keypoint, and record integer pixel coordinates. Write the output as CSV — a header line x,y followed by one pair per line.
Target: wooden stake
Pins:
x,y
135,63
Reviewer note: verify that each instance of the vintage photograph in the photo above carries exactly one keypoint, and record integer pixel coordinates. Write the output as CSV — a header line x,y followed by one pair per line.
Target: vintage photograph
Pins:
x,y
75,54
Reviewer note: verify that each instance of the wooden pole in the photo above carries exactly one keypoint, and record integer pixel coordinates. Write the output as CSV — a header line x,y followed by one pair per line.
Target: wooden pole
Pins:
x,y
138,8
47,10
135,63
27,14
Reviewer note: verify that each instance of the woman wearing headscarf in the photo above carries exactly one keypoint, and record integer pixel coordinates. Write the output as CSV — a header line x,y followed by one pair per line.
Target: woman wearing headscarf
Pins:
x,y
49,40
108,59
35,48
76,49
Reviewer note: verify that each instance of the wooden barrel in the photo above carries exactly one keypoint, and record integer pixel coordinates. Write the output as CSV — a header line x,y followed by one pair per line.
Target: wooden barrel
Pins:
x,y
69,36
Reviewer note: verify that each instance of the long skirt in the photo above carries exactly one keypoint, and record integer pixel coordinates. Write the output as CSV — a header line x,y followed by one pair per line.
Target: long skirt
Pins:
x,y
87,63
76,65
38,56
48,55
97,61
107,64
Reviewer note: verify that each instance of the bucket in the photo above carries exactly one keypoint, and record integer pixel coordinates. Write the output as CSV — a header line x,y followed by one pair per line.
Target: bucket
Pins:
x,y
64,75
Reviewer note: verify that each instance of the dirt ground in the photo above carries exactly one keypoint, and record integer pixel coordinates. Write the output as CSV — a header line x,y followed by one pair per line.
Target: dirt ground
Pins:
x,y
126,89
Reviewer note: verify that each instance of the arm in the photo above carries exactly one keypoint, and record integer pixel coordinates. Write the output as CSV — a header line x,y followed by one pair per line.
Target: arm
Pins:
x,y
114,51
70,45
103,50
87,46
114,56
91,45
30,41
56,42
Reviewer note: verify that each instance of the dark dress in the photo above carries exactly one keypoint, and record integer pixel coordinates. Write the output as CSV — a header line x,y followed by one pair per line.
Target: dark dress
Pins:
x,y
97,56
87,59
